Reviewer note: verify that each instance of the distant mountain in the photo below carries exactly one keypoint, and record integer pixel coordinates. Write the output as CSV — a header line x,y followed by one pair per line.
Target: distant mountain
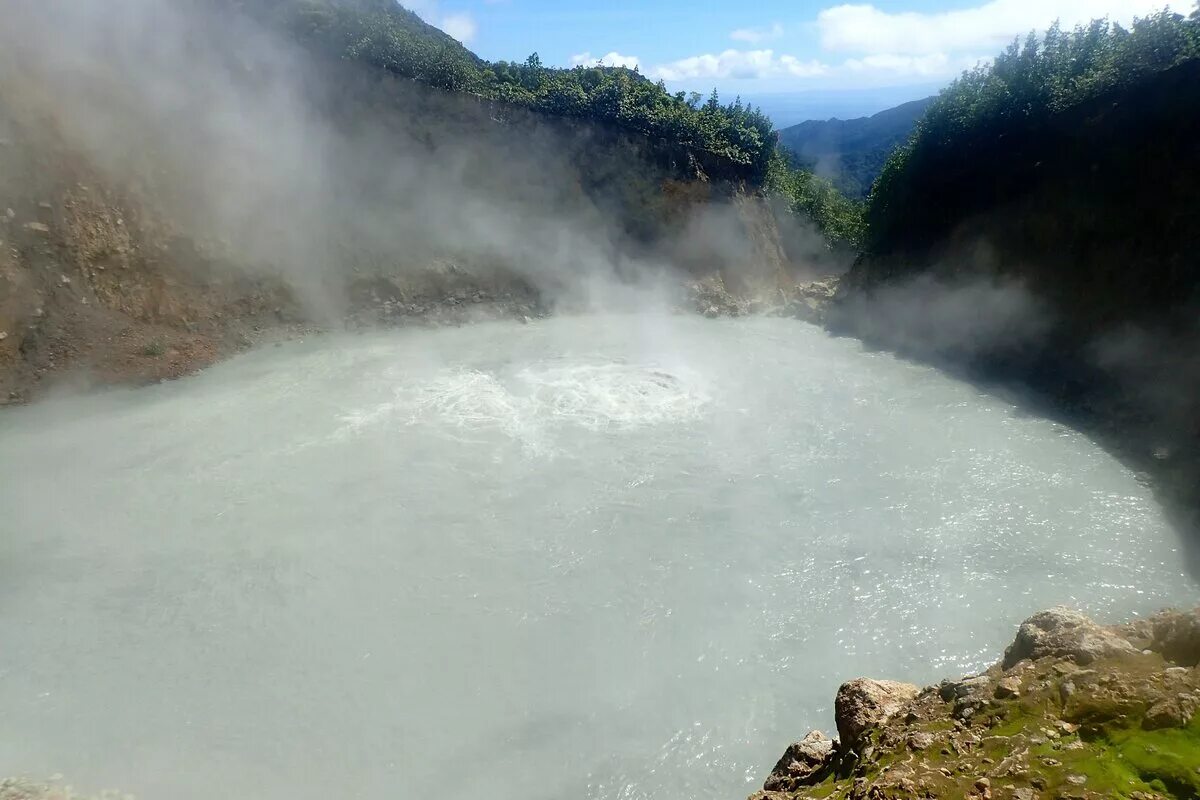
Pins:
x,y
792,108
851,152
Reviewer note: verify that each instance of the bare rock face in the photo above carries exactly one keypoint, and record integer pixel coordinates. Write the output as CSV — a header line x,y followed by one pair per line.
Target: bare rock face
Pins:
x,y
800,762
863,704
1062,632
1177,636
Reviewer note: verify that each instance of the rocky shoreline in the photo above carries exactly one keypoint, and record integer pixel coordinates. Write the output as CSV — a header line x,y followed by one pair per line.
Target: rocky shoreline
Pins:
x,y
1073,710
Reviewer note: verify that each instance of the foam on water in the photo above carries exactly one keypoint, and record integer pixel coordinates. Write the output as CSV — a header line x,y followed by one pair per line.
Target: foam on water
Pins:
x,y
523,404
598,558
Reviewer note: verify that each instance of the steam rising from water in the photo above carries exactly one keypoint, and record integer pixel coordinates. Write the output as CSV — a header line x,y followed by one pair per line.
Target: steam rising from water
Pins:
x,y
610,557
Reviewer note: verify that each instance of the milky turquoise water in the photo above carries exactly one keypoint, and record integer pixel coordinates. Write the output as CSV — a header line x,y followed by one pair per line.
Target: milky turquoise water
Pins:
x,y
600,557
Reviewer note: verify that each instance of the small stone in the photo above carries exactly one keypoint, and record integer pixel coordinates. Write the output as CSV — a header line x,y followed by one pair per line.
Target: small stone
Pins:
x,y
1024,794
1051,762
39,227
45,206
63,280
1077,780
983,784
1065,690
1008,687
8,212
3,335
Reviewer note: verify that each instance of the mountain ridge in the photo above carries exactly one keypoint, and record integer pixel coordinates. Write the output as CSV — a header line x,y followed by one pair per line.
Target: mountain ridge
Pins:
x,y
851,152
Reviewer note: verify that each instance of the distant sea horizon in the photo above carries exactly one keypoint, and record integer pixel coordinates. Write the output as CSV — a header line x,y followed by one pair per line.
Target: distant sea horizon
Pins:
x,y
791,108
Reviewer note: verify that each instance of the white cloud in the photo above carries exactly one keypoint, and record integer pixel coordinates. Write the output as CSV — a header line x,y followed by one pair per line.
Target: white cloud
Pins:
x,y
737,64
461,26
882,48
613,59
756,35
932,65
987,28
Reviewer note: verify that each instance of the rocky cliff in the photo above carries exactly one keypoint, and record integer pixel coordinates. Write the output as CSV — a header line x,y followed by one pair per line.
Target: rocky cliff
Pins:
x,y
1073,710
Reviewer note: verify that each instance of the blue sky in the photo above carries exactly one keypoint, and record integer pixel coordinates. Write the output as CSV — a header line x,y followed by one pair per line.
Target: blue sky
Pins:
x,y
888,50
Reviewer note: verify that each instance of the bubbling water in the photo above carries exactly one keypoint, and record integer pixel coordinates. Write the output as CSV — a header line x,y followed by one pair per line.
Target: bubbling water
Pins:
x,y
598,557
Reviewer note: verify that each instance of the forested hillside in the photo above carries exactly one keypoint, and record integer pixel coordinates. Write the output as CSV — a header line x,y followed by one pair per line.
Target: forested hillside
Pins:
x,y
384,34
851,152
1074,157
1053,200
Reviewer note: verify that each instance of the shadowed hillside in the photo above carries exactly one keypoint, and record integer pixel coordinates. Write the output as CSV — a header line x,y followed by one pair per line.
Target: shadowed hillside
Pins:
x,y
851,152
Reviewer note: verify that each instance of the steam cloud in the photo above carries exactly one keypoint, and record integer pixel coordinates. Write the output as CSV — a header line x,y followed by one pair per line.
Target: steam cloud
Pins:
x,y
312,169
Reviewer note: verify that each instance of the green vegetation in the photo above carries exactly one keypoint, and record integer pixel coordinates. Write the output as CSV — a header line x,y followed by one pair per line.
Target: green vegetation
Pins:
x,y
1095,745
1028,85
385,35
836,216
734,141
1165,759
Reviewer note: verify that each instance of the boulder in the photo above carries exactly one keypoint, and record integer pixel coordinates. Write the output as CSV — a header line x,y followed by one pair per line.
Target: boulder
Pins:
x,y
1061,632
1174,712
920,740
1177,636
863,704
967,687
800,762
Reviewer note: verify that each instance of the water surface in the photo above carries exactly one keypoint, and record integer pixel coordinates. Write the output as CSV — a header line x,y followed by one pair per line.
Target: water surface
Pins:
x,y
600,557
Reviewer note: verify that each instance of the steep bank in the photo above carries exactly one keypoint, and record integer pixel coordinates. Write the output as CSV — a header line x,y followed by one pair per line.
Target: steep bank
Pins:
x,y
1074,710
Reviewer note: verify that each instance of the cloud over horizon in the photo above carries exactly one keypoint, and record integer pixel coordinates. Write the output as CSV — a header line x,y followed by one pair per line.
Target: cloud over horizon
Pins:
x,y
858,43
613,59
